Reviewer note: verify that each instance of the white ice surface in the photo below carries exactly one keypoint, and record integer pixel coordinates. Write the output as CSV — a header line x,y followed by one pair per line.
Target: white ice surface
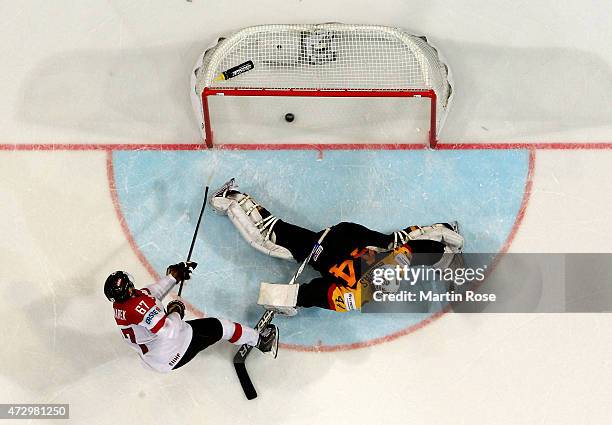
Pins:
x,y
117,72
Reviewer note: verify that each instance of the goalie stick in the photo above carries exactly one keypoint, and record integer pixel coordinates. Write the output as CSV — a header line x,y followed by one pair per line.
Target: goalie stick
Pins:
x,y
266,318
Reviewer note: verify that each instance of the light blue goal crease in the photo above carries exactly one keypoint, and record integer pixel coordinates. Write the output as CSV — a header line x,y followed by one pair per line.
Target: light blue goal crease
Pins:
x,y
160,195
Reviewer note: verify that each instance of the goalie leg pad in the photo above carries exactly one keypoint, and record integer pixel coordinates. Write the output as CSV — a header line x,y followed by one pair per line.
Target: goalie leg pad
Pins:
x,y
255,223
452,240
257,231
281,298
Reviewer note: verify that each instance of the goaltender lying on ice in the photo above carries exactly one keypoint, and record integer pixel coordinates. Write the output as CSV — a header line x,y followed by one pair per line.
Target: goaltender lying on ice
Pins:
x,y
346,258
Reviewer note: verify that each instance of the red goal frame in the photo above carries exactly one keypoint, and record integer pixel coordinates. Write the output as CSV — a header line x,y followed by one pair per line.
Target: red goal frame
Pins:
x,y
208,131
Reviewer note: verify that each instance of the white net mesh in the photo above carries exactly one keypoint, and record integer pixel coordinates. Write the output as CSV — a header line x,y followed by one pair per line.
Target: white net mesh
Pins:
x,y
319,120
325,57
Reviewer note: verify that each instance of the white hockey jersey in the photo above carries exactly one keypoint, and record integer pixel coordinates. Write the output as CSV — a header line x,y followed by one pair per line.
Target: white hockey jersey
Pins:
x,y
161,340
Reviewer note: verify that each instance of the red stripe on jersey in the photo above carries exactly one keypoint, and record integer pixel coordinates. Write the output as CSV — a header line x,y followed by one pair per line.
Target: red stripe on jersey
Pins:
x,y
159,324
237,333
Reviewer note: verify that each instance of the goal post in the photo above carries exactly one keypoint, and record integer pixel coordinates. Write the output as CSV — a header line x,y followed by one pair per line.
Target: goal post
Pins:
x,y
325,83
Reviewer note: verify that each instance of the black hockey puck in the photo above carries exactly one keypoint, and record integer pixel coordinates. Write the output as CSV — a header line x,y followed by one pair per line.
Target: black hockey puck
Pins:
x,y
289,117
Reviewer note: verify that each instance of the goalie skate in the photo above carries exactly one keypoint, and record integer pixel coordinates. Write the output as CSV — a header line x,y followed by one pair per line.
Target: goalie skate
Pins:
x,y
217,199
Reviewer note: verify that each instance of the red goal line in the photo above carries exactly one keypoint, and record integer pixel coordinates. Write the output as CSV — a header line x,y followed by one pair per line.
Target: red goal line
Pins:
x,y
309,146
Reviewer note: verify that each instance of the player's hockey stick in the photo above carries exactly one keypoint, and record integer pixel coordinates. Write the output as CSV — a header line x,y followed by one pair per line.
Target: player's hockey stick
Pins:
x,y
266,318
195,234
243,352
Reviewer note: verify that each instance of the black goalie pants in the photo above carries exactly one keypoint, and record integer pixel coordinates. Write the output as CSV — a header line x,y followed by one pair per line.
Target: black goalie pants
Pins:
x,y
341,244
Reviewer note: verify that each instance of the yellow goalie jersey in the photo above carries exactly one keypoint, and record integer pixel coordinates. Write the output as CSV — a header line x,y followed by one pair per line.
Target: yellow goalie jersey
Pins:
x,y
351,292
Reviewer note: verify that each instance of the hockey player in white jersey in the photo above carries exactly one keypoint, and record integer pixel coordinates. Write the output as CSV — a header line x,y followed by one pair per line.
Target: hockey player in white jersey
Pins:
x,y
163,339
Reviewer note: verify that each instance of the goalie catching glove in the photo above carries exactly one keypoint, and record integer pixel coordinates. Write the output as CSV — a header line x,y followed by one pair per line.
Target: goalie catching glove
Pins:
x,y
176,306
181,271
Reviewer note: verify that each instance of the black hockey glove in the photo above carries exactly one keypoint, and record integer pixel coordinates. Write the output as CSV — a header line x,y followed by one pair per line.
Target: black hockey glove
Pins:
x,y
181,271
176,306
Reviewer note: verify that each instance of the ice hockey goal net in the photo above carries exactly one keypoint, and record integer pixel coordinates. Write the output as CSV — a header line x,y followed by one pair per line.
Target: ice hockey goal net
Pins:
x,y
325,83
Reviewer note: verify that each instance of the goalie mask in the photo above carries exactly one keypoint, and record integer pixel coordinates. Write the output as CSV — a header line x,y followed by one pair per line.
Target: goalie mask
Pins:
x,y
118,286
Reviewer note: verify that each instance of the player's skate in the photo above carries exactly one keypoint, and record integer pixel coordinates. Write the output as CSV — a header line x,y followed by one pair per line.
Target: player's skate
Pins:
x,y
253,221
268,340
